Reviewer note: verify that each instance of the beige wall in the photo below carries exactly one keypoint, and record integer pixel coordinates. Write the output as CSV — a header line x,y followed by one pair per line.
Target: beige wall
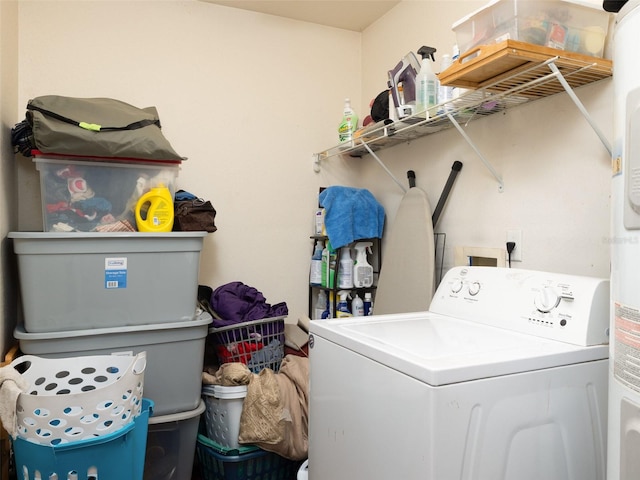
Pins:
x,y
247,97
555,169
250,97
8,114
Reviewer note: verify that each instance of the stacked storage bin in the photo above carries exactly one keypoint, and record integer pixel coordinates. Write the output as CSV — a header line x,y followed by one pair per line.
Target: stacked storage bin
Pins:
x,y
259,344
94,291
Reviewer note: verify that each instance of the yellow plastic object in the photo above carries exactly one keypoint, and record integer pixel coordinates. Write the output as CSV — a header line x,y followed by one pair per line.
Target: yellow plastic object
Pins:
x,y
154,210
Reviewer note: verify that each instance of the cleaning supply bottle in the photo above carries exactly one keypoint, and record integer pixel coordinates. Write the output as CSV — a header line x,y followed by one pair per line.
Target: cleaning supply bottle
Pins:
x,y
426,84
445,94
321,305
328,278
357,306
345,269
315,273
319,222
367,304
349,123
362,271
324,265
332,267
328,312
342,309
154,210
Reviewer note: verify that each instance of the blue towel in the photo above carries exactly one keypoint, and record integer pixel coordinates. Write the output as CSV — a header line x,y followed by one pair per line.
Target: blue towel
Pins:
x,y
351,214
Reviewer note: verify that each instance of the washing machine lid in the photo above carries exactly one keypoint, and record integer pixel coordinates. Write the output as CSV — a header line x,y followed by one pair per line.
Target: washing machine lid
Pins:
x,y
441,350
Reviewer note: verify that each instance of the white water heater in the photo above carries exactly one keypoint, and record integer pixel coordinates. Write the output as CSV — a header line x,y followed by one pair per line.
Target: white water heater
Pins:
x,y
623,462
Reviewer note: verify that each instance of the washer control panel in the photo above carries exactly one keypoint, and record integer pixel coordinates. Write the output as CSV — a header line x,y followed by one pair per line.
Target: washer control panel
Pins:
x,y
568,308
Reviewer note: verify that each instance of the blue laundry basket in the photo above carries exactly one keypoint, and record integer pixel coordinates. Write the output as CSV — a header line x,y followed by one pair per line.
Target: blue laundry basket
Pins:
x,y
118,455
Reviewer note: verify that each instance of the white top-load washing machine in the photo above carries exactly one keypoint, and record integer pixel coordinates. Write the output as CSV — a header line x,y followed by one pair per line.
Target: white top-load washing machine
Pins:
x,y
505,377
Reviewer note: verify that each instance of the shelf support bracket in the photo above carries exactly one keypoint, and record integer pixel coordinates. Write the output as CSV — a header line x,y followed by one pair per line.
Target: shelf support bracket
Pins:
x,y
580,106
371,152
316,162
492,170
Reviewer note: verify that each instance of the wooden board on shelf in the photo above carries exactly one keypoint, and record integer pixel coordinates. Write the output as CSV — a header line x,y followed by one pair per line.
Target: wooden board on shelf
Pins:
x,y
488,65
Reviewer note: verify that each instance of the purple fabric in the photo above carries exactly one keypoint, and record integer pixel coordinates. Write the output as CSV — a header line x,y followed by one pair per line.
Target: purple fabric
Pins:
x,y
236,302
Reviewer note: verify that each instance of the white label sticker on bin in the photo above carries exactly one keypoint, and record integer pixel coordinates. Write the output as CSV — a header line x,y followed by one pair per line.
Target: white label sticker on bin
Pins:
x,y
115,272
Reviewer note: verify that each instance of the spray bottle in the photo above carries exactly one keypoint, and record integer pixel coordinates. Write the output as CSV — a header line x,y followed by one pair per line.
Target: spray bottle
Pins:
x,y
328,312
321,305
154,210
362,271
315,273
342,309
345,269
349,123
426,84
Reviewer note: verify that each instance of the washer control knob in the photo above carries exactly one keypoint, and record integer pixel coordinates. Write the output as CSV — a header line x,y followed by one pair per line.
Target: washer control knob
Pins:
x,y
474,288
457,286
546,300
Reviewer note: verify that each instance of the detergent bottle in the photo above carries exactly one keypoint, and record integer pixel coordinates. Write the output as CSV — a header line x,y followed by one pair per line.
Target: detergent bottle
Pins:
x,y
426,84
349,123
315,272
342,309
345,269
362,271
154,210
357,306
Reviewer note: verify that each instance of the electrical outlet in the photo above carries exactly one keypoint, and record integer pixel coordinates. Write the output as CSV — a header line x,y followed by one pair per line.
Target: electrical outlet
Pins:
x,y
515,236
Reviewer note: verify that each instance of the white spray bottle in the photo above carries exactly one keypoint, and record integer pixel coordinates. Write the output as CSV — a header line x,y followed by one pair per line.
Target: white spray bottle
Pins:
x,y
362,271
342,309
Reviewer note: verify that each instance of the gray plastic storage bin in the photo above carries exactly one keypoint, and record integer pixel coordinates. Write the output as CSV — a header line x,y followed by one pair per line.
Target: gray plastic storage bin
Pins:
x,y
171,445
175,355
73,281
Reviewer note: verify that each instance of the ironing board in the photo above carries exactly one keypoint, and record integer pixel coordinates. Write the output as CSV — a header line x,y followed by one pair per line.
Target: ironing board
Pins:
x,y
406,281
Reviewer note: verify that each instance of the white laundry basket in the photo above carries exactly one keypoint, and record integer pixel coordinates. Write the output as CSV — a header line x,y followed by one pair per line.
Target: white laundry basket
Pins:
x,y
78,398
223,412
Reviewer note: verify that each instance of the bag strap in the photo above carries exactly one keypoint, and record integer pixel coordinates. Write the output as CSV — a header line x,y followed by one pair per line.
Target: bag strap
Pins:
x,y
94,126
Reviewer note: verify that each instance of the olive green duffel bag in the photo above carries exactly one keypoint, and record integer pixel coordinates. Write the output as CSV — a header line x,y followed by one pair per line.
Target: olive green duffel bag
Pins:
x,y
97,127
